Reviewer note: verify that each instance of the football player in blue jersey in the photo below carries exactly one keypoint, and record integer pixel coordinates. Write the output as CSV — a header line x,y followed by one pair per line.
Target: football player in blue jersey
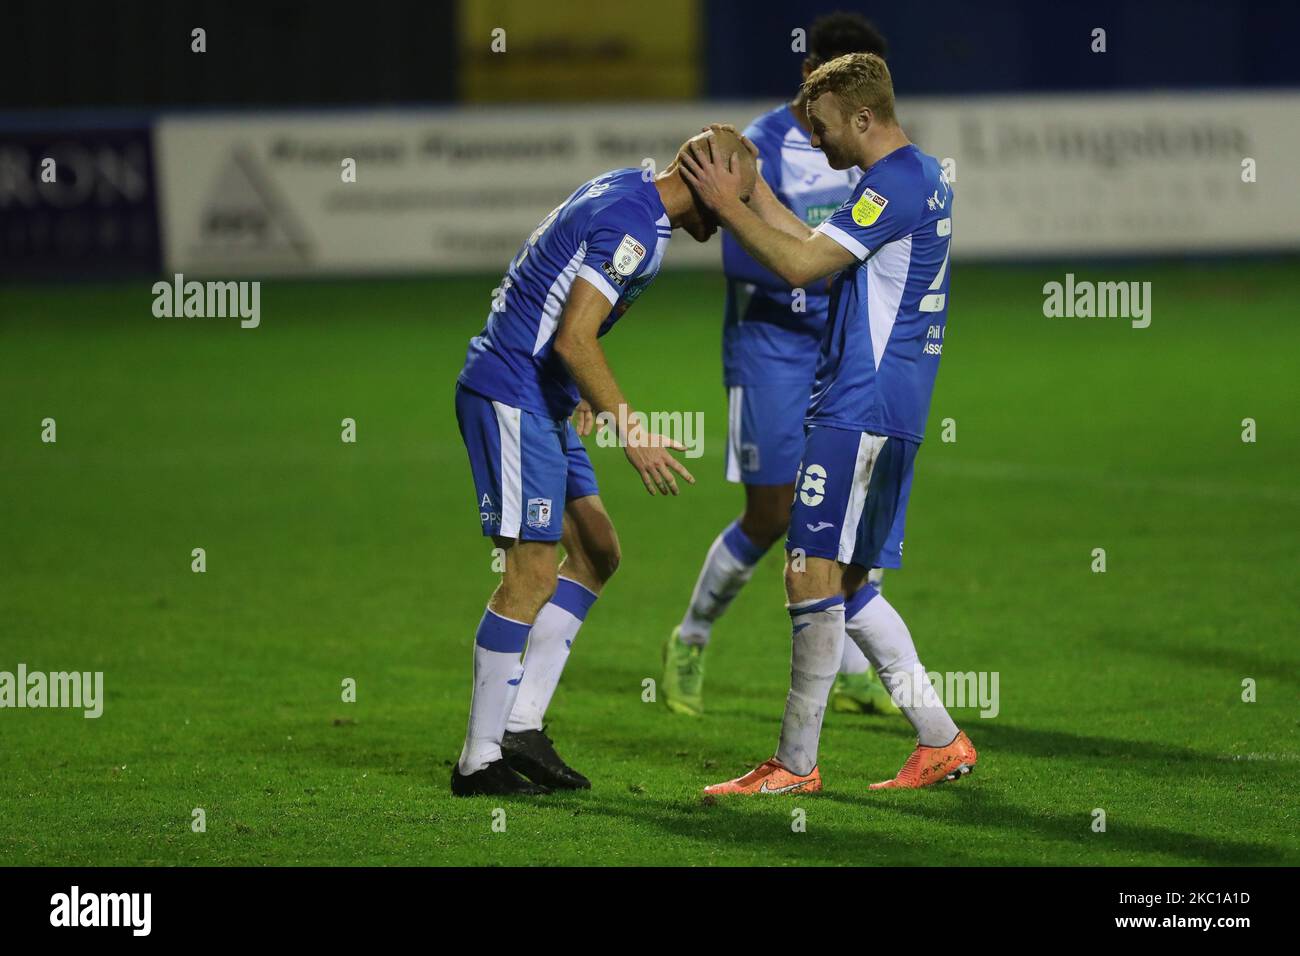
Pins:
x,y
537,358
771,337
887,248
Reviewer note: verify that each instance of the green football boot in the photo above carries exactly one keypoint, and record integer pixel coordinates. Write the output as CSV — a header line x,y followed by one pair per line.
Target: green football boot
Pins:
x,y
683,683
861,694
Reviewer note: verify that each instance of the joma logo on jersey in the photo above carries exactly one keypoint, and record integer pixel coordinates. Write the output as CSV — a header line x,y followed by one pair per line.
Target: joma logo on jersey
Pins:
x,y
539,512
813,489
869,207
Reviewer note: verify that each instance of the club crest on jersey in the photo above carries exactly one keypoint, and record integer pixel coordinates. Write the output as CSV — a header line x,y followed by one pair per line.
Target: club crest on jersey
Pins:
x,y
869,207
539,512
628,256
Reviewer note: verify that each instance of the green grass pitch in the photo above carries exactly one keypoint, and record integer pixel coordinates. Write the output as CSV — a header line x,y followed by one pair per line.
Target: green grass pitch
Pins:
x,y
1120,691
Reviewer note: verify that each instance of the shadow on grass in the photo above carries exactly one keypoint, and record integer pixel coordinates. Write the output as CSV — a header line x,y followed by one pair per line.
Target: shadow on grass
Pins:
x,y
921,832
895,828
1007,822
1114,847
1224,656
1152,757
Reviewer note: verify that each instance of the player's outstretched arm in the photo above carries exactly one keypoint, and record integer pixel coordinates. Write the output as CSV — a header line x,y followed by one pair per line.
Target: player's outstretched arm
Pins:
x,y
577,345
775,213
799,259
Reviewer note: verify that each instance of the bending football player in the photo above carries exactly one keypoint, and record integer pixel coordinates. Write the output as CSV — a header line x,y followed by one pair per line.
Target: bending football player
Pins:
x,y
537,358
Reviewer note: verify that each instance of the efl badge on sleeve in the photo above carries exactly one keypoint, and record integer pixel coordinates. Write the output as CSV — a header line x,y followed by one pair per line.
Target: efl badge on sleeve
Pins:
x,y
628,256
869,207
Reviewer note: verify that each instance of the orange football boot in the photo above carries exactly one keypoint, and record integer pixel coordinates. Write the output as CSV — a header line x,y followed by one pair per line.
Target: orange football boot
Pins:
x,y
931,765
770,777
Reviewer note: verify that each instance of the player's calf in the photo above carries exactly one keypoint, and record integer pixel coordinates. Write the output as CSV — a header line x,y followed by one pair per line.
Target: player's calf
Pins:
x,y
499,642
591,550
591,557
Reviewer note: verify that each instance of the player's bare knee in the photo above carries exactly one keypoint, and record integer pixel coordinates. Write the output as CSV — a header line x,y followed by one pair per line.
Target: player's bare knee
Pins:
x,y
605,561
767,514
528,593
527,581
796,581
854,577
811,579
763,526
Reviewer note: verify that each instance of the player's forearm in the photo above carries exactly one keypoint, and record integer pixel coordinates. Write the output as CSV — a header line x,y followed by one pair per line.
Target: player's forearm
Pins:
x,y
774,249
773,212
586,362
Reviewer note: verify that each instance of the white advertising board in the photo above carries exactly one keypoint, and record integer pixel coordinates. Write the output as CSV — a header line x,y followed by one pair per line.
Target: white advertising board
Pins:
x,y
460,189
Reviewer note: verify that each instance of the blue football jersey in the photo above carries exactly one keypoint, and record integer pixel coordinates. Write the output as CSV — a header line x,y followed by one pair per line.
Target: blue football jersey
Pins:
x,y
888,310
613,232
765,341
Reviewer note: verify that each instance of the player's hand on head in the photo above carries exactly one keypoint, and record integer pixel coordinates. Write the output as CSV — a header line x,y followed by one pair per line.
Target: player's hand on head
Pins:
x,y
648,454
729,128
715,178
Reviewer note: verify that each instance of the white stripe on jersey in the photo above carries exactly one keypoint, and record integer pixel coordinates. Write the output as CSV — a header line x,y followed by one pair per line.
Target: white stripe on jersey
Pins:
x,y
844,239
556,296
735,405
601,283
664,232
886,277
868,451
512,473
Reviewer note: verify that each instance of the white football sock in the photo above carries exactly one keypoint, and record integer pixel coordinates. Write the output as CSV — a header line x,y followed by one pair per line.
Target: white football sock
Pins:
x,y
817,632
854,661
728,566
873,624
549,645
497,673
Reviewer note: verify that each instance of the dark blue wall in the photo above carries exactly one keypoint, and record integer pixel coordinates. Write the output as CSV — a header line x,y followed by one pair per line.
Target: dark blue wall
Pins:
x,y
965,46
135,53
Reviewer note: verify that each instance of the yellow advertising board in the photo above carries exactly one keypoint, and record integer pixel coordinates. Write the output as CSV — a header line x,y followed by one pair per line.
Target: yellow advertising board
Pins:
x,y
528,50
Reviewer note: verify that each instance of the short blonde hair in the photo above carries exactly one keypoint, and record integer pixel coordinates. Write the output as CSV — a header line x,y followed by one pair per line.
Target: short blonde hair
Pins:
x,y
857,80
